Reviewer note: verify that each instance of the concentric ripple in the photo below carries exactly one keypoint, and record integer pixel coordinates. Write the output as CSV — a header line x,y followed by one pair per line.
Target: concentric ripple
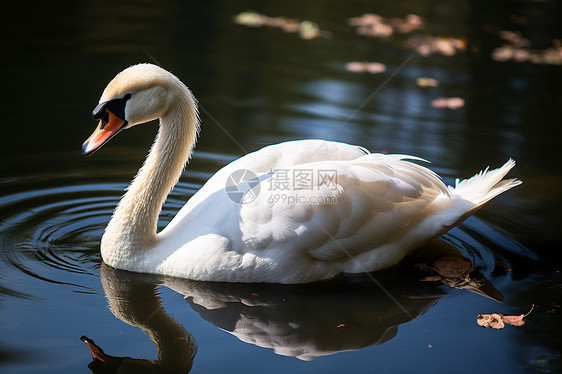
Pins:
x,y
51,224
49,229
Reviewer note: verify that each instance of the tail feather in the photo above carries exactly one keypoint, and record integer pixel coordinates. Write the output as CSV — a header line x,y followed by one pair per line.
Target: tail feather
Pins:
x,y
485,185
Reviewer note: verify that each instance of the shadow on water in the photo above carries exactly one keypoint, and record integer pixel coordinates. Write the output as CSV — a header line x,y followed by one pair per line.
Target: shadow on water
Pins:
x,y
349,313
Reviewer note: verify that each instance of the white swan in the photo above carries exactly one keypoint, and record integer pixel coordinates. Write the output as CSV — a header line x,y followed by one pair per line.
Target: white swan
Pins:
x,y
323,207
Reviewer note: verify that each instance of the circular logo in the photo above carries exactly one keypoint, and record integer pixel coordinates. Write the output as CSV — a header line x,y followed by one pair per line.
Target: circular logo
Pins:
x,y
242,186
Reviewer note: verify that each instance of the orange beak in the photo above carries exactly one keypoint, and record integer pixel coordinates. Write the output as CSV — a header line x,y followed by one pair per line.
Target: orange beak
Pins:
x,y
101,359
108,127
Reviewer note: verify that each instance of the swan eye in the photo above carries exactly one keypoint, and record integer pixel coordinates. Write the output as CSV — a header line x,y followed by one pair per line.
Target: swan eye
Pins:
x,y
104,119
115,106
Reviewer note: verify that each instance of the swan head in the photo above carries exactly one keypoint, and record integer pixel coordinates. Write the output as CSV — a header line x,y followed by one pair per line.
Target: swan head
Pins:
x,y
138,94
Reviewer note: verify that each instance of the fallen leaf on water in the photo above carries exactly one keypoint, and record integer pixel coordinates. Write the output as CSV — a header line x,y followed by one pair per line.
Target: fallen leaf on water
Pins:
x,y
377,26
493,320
514,38
365,67
514,320
453,266
549,56
453,271
498,320
448,102
427,82
371,25
305,29
411,23
252,19
456,271
443,45
310,30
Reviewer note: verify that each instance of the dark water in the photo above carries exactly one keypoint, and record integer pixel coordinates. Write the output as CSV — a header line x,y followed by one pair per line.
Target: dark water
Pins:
x,y
263,85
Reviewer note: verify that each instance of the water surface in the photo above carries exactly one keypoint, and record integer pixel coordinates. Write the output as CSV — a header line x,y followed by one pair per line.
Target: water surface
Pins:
x,y
262,86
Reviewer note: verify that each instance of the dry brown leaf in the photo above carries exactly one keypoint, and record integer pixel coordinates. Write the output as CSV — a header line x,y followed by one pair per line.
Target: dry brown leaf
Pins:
x,y
514,38
371,25
443,45
448,102
549,56
453,266
433,278
498,320
365,67
377,26
493,320
427,82
404,26
306,29
514,320
453,271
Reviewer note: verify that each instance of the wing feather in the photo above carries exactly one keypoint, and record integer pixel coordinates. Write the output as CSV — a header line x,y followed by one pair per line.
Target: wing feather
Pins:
x,y
372,200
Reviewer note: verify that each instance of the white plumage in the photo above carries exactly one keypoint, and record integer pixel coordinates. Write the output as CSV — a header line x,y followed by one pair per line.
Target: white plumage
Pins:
x,y
317,208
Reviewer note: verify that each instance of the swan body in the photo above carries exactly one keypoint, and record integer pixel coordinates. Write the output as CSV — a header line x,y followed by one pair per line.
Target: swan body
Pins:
x,y
311,209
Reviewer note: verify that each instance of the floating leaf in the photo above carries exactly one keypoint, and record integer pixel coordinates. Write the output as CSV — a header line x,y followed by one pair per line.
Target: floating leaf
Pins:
x,y
498,320
453,271
365,67
514,38
457,271
443,45
427,82
371,25
514,320
493,320
453,267
411,23
252,19
377,26
448,102
549,56
305,29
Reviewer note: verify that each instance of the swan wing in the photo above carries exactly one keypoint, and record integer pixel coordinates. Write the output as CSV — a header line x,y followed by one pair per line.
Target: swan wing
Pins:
x,y
349,207
306,221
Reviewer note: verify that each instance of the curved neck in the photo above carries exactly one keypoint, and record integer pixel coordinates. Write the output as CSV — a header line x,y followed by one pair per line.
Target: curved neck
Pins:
x,y
134,222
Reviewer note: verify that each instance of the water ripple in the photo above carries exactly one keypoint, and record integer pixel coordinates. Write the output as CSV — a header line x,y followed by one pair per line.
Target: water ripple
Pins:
x,y
49,231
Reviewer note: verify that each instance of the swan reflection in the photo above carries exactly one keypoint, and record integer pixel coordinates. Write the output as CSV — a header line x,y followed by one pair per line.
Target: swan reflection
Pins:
x,y
134,299
303,321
